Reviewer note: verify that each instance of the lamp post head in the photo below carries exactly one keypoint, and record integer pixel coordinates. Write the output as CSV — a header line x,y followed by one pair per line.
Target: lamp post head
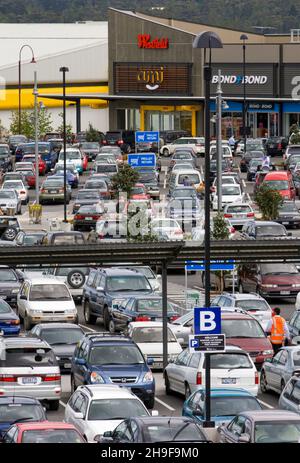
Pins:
x,y
64,69
244,37
33,61
207,39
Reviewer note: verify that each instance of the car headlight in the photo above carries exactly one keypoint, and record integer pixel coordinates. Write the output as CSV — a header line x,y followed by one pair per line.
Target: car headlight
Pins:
x,y
15,290
296,285
148,378
36,312
70,310
268,352
96,378
270,286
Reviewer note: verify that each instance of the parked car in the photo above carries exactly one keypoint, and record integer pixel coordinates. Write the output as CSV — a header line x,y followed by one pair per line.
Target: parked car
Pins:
x,y
156,429
152,277
232,368
9,321
47,432
87,216
19,187
263,229
74,156
62,337
91,149
14,141
231,193
290,396
276,145
42,166
253,167
281,181
246,158
238,213
288,214
277,371
45,299
262,427
71,175
125,139
294,322
14,409
63,238
270,280
148,336
86,198
100,185
28,367
10,203
168,226
188,212
102,358
98,408
168,136
226,403
74,277
225,167
104,285
292,161
10,283
52,190
197,143
291,149
6,162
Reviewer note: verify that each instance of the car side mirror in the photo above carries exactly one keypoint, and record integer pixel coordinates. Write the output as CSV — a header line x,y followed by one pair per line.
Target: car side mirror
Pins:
x,y
244,439
78,415
79,361
150,361
197,412
107,434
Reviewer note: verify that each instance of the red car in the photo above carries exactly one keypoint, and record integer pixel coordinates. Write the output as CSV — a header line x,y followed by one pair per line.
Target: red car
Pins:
x,y
42,163
44,432
29,176
139,191
282,181
85,160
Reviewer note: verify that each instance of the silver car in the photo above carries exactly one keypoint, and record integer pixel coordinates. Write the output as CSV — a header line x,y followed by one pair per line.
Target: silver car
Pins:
x,y
28,367
277,371
238,213
290,396
10,203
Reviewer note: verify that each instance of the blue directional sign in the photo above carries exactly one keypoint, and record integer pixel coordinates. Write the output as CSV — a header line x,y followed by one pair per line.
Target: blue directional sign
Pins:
x,y
214,265
207,320
142,160
194,342
147,137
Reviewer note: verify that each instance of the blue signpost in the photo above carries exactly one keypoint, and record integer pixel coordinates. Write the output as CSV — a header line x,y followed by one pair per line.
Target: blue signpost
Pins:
x,y
142,160
214,265
146,137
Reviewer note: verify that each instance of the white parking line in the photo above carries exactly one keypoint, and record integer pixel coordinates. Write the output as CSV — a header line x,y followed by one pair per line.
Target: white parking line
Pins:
x,y
165,181
164,404
62,403
265,404
87,328
244,183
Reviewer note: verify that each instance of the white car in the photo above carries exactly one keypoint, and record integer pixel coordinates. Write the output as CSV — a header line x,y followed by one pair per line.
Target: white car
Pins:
x,y
197,143
97,408
46,299
291,149
226,152
73,156
225,179
148,336
168,227
19,187
230,194
229,369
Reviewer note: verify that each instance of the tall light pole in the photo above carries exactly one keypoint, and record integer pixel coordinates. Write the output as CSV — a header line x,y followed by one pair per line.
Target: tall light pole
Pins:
x,y
33,61
219,141
206,40
36,146
244,37
64,70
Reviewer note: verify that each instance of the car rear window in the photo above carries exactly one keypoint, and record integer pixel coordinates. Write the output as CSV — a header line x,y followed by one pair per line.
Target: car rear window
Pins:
x,y
7,275
253,305
194,178
25,356
55,436
242,328
271,230
239,209
227,361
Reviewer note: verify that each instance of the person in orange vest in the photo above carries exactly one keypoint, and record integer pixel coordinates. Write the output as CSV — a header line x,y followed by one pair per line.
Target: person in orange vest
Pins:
x,y
278,330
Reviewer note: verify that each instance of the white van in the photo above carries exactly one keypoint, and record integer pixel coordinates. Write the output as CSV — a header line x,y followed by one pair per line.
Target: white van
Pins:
x,y
177,178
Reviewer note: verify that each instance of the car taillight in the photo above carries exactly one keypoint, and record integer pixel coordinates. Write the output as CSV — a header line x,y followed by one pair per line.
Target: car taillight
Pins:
x,y
43,190
174,317
178,232
256,378
120,142
100,236
143,318
61,190
8,379
227,216
279,146
15,322
96,217
104,142
78,217
51,377
199,378
232,230
250,214
213,188
22,191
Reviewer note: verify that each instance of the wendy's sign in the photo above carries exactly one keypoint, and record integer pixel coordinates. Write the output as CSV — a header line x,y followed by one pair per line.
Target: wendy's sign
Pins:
x,y
144,41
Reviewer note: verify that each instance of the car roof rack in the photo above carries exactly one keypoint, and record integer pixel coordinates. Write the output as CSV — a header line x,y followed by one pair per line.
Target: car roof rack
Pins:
x,y
105,335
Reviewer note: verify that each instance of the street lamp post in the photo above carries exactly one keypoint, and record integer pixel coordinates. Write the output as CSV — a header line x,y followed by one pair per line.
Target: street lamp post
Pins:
x,y
244,37
64,70
33,61
219,142
36,134
206,40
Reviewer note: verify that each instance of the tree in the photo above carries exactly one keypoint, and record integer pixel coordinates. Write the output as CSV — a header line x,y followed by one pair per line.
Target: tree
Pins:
x,y
28,122
26,128
295,137
92,134
268,201
124,180
69,128
220,232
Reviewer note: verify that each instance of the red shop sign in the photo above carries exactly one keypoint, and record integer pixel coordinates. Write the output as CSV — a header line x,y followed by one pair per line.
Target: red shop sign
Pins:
x,y
145,42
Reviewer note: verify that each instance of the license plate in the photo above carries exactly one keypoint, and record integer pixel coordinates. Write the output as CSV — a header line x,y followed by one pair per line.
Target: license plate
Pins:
x,y
272,146
228,380
89,218
29,380
285,223
285,292
53,191
67,365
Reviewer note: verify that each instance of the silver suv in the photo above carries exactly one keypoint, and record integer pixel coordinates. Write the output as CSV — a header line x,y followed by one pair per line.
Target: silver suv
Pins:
x,y
28,367
73,277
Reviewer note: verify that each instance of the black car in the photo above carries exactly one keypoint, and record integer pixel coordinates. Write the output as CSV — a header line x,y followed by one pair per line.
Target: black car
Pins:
x,y
125,139
246,158
90,149
139,308
6,162
87,216
254,230
213,168
276,145
10,283
289,214
168,136
14,141
62,337
252,168
86,198
155,429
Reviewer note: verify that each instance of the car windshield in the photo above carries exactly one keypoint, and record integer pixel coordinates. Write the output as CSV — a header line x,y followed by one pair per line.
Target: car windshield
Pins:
x,y
164,223
115,409
49,292
70,155
51,436
278,269
270,230
7,194
276,431
184,193
253,305
4,307
7,221
90,209
7,275
240,209
277,184
117,354
68,239
172,430
151,334
229,190
61,335
137,191
88,195
193,178
230,406
242,328
228,361
16,411
294,158
28,356
105,158
182,156
150,305
128,283
32,239
288,207
184,203
255,162
90,145
13,185
292,151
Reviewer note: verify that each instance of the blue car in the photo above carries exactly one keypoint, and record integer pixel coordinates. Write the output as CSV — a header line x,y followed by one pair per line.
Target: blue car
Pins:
x,y
72,178
225,404
13,409
9,321
50,158
102,358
